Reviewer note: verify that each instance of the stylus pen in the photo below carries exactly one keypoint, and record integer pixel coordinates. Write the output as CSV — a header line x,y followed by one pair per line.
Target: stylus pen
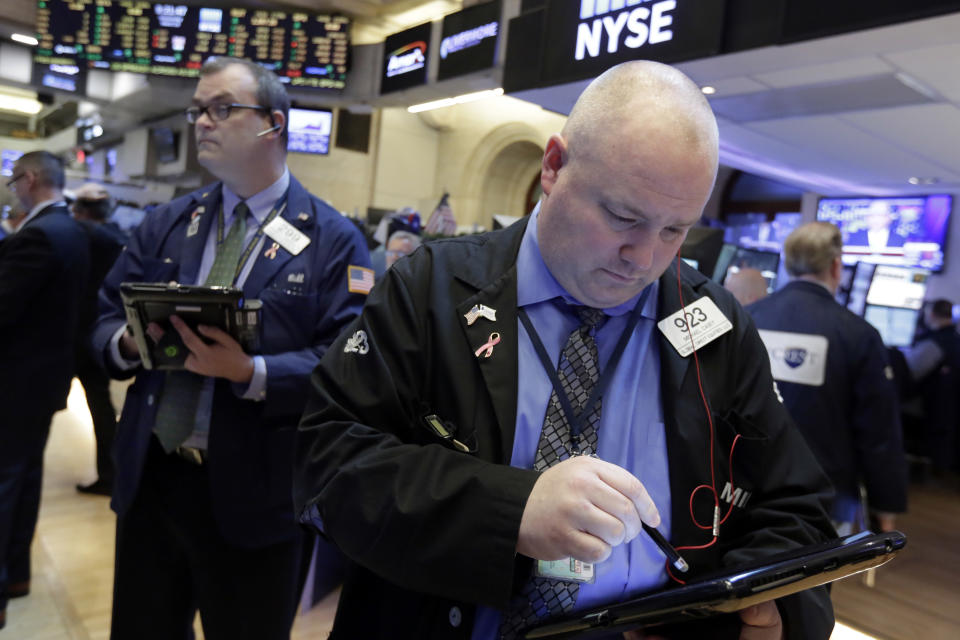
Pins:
x,y
667,548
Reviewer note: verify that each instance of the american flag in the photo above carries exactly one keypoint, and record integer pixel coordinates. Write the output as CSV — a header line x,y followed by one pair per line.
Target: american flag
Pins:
x,y
359,279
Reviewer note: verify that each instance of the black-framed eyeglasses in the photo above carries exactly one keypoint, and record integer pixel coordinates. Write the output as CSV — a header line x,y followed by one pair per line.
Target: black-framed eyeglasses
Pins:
x,y
14,179
218,112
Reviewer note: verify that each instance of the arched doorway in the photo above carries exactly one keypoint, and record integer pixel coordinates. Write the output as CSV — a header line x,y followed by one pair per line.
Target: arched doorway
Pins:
x,y
506,186
498,174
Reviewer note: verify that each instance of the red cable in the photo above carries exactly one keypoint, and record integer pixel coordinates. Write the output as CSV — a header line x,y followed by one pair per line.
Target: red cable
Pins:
x,y
713,481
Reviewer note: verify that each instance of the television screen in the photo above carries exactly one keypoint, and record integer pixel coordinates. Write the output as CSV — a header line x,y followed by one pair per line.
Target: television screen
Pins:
x,y
906,231
8,157
754,231
309,130
702,245
897,287
164,144
896,326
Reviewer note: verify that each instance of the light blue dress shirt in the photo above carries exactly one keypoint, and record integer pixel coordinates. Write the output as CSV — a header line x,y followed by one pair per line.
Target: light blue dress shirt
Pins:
x,y
631,433
260,205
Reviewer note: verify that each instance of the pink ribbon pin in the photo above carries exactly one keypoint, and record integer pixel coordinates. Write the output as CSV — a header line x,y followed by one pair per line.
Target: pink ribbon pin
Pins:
x,y
487,349
272,251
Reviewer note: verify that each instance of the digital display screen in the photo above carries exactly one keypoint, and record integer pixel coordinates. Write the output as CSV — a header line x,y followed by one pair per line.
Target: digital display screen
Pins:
x,y
859,286
405,59
907,231
469,40
896,326
63,77
897,287
766,262
304,49
8,158
754,231
308,130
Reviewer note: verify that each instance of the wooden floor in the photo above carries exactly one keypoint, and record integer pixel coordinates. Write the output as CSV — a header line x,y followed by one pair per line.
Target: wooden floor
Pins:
x,y
915,596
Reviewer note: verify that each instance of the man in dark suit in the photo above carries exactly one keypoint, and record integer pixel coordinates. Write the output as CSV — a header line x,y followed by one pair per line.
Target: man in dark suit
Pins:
x,y
43,271
91,207
835,378
204,456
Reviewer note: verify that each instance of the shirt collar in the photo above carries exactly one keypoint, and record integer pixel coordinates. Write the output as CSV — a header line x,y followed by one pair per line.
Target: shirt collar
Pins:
x,y
40,207
260,204
536,284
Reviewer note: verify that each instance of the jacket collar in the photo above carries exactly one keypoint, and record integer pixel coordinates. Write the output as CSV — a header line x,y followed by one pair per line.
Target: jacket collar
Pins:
x,y
494,280
811,287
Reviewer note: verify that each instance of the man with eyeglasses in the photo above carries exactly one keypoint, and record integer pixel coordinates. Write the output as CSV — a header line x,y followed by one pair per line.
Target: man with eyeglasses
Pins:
x,y
204,457
43,272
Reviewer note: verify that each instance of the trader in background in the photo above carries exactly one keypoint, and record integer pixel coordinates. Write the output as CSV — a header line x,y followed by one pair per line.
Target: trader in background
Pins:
x,y
91,207
934,365
832,370
442,454
204,456
43,272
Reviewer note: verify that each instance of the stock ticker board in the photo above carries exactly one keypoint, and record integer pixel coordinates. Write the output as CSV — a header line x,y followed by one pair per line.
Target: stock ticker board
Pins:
x,y
304,49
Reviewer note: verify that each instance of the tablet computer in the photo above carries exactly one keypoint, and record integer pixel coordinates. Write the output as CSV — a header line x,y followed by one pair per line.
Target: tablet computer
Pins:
x,y
223,307
733,589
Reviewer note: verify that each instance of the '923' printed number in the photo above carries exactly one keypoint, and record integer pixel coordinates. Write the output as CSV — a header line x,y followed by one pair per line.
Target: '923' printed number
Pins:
x,y
694,317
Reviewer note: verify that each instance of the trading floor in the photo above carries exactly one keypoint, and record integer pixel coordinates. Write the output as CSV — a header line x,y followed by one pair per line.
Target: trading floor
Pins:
x,y
915,596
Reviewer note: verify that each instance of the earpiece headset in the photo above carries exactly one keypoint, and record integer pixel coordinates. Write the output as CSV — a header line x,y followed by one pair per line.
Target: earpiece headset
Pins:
x,y
275,127
266,131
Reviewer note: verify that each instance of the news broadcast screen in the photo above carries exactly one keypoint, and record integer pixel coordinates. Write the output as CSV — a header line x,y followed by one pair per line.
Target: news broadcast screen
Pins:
x,y
908,231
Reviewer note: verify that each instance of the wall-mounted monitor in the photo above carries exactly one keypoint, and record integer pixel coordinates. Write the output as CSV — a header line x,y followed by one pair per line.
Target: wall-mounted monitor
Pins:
x,y
405,59
309,130
304,48
468,40
8,158
165,144
70,78
907,231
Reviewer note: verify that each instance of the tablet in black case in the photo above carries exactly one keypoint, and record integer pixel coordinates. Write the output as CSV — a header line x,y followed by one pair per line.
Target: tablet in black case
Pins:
x,y
223,307
734,589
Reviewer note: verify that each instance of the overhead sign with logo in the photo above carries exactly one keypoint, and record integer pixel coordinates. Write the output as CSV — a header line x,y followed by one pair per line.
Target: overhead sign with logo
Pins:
x,y
405,59
469,40
586,37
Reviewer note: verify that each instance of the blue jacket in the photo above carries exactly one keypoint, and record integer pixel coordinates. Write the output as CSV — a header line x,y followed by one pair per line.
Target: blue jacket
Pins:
x,y
306,303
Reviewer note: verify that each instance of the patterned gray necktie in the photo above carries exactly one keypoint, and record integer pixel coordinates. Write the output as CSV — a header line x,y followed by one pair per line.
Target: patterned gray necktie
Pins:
x,y
579,370
177,410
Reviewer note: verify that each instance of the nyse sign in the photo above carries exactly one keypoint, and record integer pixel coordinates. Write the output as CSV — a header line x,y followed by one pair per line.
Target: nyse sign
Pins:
x,y
586,37
633,27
